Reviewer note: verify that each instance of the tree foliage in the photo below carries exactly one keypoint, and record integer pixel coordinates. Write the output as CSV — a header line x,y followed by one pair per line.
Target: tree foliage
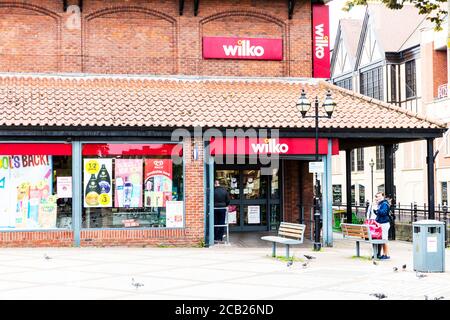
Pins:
x,y
432,8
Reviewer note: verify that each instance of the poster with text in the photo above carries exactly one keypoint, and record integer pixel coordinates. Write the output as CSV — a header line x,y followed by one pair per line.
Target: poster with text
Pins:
x,y
158,182
174,214
25,182
128,186
64,187
97,183
47,213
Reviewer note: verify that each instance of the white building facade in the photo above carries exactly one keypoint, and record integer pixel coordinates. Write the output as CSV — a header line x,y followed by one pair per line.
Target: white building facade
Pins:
x,y
382,56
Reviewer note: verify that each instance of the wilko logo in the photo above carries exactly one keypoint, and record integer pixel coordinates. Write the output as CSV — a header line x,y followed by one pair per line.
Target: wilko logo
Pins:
x,y
321,37
158,163
321,41
243,49
270,146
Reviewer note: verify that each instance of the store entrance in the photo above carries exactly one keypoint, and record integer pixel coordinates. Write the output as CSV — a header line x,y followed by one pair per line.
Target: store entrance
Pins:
x,y
255,198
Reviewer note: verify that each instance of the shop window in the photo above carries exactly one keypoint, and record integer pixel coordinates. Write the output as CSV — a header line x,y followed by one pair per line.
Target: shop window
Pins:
x,y
371,83
352,160
35,186
254,187
362,194
360,159
410,78
132,186
380,157
393,84
337,194
230,180
353,194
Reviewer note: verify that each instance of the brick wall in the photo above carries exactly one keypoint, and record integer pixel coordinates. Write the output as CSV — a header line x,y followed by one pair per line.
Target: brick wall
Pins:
x,y
296,173
439,70
148,37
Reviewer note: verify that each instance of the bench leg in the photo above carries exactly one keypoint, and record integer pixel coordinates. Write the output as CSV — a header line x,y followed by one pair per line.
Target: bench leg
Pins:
x,y
375,251
287,251
274,249
357,248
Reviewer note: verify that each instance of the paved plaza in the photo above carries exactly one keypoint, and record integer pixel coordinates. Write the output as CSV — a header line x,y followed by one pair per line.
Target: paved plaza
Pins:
x,y
220,272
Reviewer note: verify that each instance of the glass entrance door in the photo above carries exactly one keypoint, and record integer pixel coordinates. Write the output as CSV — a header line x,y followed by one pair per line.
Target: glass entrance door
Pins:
x,y
255,198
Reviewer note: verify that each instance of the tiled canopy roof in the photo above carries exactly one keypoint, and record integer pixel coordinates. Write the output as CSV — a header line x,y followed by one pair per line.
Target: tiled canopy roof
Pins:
x,y
115,101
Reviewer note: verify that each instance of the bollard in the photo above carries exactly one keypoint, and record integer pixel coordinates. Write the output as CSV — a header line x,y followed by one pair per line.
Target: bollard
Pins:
x,y
415,211
444,209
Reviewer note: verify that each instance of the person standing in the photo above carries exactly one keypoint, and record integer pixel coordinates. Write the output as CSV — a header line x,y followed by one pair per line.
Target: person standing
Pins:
x,y
221,202
382,213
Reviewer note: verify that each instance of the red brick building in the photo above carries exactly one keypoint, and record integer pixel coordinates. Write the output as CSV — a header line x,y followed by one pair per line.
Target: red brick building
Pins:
x,y
93,92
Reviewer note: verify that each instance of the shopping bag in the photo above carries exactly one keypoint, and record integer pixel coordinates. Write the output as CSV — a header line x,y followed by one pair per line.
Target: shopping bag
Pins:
x,y
374,228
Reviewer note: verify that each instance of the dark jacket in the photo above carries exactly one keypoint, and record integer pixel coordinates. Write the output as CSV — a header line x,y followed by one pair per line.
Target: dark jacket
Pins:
x,y
382,212
221,197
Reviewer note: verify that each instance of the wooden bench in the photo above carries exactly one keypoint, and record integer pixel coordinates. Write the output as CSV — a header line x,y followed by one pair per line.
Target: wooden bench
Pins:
x,y
288,234
361,233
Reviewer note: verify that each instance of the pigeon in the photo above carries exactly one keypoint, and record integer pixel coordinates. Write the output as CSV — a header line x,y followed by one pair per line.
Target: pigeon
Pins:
x,y
46,257
304,265
136,284
379,295
289,263
374,262
426,297
395,269
440,298
309,257
419,275
404,267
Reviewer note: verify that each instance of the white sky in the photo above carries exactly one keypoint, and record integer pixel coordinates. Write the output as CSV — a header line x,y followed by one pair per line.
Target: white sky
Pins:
x,y
336,13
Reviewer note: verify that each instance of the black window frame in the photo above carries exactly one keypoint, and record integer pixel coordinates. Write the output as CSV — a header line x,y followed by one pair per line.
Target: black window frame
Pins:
x,y
410,79
371,83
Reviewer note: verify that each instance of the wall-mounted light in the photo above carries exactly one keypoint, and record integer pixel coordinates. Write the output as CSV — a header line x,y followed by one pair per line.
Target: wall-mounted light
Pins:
x,y
195,152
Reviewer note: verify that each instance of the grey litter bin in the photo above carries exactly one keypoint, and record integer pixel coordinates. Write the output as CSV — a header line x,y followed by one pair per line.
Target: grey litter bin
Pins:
x,y
428,246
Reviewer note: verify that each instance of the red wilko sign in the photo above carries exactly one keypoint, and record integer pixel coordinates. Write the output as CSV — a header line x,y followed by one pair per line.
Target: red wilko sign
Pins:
x,y
242,48
321,41
254,146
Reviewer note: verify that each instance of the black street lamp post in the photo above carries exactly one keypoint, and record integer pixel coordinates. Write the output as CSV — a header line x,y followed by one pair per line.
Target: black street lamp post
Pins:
x,y
303,106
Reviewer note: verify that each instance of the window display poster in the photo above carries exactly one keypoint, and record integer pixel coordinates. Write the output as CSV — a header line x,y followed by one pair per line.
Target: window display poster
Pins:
x,y
25,182
64,187
128,183
158,182
97,183
174,214
47,213
232,214
253,215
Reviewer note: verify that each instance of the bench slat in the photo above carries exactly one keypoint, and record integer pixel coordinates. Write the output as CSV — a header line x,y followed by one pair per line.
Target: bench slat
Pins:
x,y
290,225
289,234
